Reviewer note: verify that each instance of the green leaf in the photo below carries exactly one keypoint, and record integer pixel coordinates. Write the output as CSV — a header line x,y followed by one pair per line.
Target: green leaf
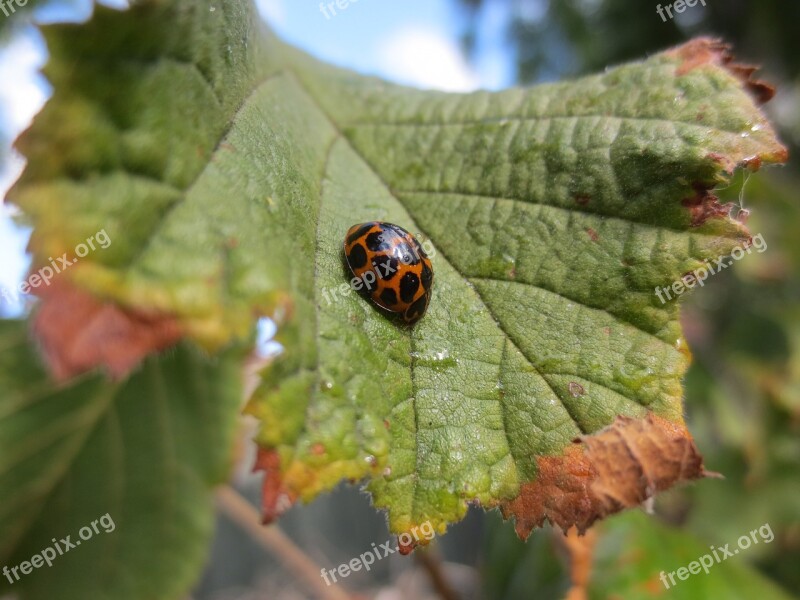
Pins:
x,y
145,452
226,168
632,552
626,558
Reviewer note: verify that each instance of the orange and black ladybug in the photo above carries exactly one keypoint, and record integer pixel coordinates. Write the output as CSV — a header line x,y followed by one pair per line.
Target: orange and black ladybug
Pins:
x,y
391,267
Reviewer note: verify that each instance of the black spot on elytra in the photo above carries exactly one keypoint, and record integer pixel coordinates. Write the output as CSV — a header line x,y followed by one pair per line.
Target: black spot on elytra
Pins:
x,y
357,258
406,254
385,267
409,284
359,232
377,241
427,276
416,310
388,297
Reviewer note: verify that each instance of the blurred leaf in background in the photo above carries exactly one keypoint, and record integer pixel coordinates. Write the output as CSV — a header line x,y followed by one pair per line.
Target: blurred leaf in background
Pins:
x,y
144,453
628,555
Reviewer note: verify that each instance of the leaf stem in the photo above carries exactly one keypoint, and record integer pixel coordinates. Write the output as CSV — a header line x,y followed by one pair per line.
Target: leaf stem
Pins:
x,y
241,512
433,566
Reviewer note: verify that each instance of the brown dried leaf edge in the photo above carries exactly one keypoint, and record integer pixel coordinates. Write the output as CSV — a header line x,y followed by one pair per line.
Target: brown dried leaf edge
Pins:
x,y
601,474
616,468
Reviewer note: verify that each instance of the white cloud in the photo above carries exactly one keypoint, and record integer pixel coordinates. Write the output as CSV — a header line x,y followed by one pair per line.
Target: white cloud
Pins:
x,y
20,61
272,11
426,58
27,91
14,264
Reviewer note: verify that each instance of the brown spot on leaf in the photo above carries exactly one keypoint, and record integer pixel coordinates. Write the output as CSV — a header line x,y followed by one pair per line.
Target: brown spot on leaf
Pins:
x,y
592,234
709,51
406,548
576,389
704,206
318,449
752,163
79,333
275,498
583,199
604,473
718,158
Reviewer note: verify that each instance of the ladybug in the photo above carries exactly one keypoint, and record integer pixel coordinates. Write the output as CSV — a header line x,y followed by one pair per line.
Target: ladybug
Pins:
x,y
390,267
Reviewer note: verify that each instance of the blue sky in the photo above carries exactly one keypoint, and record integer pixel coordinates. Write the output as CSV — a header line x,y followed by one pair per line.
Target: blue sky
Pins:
x,y
408,41
414,42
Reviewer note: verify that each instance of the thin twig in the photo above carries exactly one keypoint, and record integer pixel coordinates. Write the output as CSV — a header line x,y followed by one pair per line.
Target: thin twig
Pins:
x,y
433,566
240,511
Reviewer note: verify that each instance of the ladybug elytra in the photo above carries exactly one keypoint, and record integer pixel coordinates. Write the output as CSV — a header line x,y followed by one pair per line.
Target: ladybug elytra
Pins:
x,y
395,271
